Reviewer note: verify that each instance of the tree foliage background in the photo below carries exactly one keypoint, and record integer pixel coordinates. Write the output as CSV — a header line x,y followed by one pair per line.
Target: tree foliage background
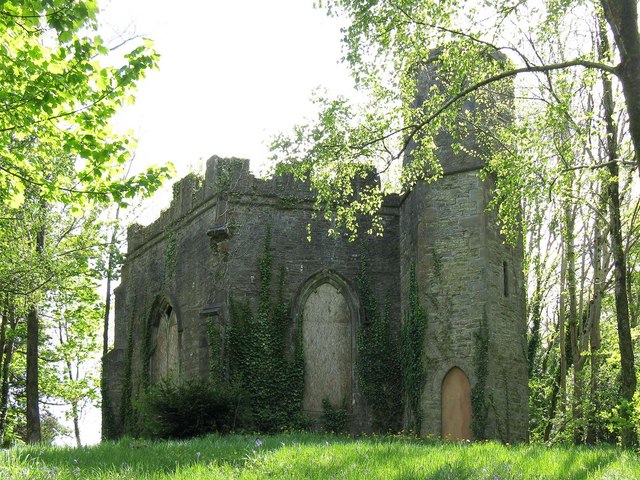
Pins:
x,y
61,165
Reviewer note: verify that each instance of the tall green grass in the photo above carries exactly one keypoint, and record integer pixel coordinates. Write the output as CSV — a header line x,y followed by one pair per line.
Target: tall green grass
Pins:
x,y
305,455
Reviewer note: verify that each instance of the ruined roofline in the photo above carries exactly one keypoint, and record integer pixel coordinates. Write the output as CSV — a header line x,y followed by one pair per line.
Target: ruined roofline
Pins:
x,y
225,178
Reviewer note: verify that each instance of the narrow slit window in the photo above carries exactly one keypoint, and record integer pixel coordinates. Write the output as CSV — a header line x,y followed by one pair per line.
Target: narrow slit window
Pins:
x,y
505,278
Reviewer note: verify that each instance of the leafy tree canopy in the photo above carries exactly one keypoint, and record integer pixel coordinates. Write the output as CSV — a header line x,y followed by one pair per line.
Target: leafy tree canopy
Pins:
x,y
477,46
56,101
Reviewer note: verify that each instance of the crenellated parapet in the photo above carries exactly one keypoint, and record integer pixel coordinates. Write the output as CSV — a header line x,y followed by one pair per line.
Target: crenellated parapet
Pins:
x,y
224,179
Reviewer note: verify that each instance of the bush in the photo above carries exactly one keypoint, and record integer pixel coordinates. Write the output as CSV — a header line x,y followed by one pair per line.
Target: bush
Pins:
x,y
335,420
188,409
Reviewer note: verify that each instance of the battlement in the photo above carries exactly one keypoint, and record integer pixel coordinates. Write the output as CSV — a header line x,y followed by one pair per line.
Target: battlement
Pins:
x,y
226,178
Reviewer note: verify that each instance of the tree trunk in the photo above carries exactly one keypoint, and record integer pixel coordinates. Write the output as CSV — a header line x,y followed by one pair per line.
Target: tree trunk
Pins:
x,y
536,320
627,369
75,415
570,262
4,312
553,404
4,389
622,16
107,313
600,262
75,411
625,343
9,320
110,268
555,378
562,380
34,432
535,306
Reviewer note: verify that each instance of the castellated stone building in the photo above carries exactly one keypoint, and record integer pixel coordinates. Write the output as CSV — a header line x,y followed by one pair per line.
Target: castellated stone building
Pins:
x,y
182,270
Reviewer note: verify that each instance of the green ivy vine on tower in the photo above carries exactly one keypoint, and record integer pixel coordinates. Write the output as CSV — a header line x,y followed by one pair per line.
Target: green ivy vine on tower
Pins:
x,y
412,336
126,404
478,398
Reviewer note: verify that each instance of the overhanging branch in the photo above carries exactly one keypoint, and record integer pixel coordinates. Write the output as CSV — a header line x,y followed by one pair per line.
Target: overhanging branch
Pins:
x,y
415,128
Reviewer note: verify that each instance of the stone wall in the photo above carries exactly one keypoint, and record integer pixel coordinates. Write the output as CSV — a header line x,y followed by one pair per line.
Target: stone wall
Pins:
x,y
461,263
508,393
205,249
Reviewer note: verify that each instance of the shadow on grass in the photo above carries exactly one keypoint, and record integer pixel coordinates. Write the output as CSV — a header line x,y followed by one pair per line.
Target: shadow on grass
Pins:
x,y
149,456
583,469
567,463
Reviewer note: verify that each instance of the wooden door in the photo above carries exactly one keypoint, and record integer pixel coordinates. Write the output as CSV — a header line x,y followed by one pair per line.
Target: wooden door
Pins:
x,y
456,406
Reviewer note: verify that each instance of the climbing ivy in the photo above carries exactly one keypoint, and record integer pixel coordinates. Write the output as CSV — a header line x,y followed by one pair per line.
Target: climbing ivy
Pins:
x,y
287,202
478,398
507,410
215,345
377,364
170,256
412,354
126,405
147,350
260,359
335,420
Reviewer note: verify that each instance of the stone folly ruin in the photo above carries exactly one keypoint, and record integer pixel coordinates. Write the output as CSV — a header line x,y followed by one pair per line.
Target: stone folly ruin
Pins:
x,y
184,272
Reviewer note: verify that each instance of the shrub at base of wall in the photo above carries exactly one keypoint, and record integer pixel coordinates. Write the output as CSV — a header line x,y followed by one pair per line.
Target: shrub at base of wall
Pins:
x,y
188,409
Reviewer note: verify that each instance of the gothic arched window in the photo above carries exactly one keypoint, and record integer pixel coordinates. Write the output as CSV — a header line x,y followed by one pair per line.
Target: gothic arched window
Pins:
x,y
165,345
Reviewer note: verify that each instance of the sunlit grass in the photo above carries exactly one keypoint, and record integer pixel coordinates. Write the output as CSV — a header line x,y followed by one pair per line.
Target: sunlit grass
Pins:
x,y
305,455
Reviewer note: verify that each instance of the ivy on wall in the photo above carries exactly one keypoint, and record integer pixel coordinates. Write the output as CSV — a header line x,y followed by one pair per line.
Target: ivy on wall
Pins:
x,y
147,350
412,355
377,364
126,405
506,437
335,420
216,372
131,409
478,399
260,359
170,259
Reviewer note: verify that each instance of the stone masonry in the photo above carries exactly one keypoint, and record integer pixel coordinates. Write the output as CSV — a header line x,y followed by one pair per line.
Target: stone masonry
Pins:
x,y
181,271
205,247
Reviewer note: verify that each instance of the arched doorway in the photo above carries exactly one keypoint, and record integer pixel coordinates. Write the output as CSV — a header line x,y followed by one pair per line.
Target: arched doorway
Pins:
x,y
165,346
456,406
327,343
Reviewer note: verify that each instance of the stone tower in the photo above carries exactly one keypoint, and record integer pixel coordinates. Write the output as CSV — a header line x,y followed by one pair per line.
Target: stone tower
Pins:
x,y
471,285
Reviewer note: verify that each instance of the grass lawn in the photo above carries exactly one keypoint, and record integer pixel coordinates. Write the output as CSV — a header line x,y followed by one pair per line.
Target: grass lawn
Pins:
x,y
305,455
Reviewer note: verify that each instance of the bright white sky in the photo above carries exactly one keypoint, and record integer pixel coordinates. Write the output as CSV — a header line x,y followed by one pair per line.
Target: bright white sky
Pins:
x,y
232,74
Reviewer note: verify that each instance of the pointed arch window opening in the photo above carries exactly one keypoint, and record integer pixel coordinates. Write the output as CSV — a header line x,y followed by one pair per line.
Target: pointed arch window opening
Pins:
x,y
165,352
328,311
